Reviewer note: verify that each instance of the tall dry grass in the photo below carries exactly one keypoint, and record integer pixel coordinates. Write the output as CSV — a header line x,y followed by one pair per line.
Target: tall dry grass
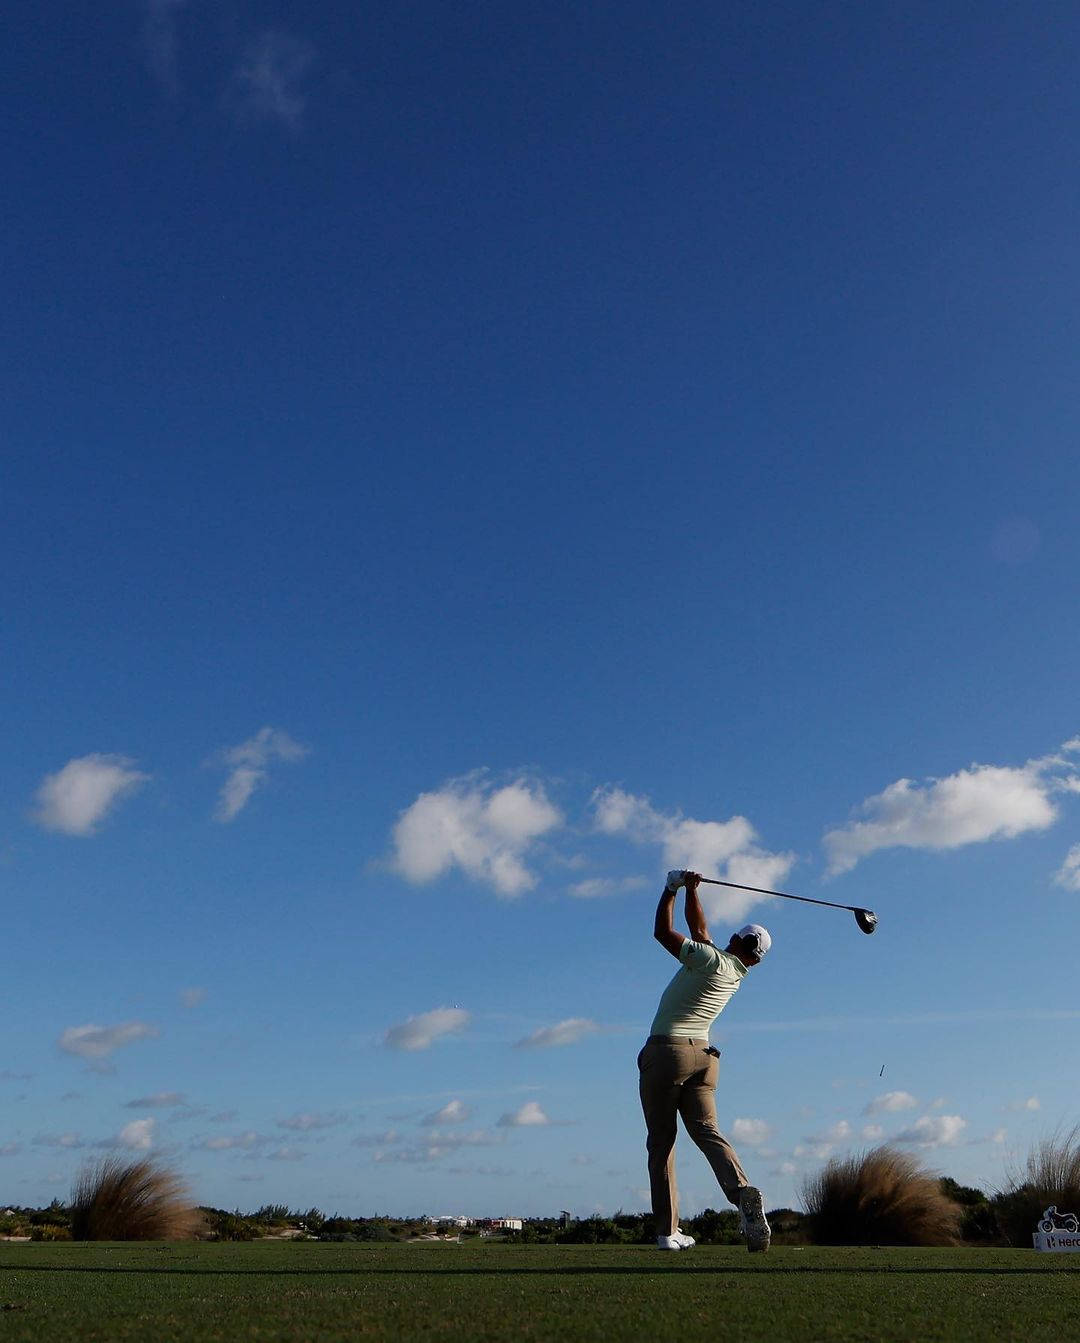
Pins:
x,y
1049,1175
880,1197
137,1200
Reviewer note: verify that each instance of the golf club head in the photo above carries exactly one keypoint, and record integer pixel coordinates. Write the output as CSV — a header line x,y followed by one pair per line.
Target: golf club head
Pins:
x,y
866,919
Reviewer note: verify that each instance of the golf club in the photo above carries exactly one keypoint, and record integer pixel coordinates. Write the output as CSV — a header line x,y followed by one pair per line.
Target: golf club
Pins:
x,y
865,918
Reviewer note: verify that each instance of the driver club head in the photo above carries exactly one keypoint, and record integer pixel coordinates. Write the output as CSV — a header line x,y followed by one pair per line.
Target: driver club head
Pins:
x,y
866,919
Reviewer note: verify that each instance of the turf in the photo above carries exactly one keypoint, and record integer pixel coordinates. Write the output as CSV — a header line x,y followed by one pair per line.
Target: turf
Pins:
x,y
485,1291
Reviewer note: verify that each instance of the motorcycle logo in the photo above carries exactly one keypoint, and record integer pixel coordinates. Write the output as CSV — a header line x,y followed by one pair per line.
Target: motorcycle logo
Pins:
x,y
1052,1220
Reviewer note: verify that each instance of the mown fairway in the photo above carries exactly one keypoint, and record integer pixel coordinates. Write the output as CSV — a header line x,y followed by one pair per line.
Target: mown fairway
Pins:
x,y
492,1291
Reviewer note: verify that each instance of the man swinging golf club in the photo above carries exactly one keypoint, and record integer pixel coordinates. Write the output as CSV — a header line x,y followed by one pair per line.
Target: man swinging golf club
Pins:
x,y
678,1068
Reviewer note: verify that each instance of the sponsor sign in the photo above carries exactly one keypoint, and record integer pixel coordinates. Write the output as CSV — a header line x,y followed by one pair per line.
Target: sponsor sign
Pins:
x,y
1057,1231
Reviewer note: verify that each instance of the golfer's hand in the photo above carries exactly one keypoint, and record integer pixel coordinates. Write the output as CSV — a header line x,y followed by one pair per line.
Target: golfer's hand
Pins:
x,y
693,881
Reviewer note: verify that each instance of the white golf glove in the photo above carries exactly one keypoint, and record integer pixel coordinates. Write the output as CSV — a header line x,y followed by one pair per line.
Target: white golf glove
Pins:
x,y
676,878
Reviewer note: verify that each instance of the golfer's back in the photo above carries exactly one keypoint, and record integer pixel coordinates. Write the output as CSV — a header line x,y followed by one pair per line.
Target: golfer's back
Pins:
x,y
699,992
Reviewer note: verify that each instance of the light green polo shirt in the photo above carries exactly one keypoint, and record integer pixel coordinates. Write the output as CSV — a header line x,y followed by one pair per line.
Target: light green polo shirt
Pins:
x,y
699,992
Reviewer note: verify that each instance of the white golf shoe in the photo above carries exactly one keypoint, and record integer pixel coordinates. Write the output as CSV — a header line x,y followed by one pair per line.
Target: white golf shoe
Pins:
x,y
752,1221
678,1240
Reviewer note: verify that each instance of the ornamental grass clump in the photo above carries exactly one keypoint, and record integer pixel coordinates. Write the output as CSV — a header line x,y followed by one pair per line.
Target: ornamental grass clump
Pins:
x,y
116,1200
1049,1177
880,1197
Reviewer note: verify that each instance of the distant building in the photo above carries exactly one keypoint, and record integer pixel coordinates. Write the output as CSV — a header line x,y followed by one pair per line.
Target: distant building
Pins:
x,y
507,1223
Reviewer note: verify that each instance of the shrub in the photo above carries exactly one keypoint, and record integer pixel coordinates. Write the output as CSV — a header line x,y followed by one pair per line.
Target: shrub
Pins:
x,y
880,1197
49,1231
221,1225
134,1201
1050,1175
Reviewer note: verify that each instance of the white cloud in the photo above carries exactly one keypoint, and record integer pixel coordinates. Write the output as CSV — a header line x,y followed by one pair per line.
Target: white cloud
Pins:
x,y
81,794
10,1149
192,997
529,1114
567,1032
69,1141
1068,874
872,1133
98,1042
227,1142
304,1123
485,831
160,1100
266,83
891,1102
1032,1103
286,1154
968,807
138,1135
435,1145
726,849
598,888
421,1031
933,1131
753,1132
249,763
454,1112
386,1139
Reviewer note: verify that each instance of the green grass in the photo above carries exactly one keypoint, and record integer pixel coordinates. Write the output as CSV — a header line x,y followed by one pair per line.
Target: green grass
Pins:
x,y
481,1291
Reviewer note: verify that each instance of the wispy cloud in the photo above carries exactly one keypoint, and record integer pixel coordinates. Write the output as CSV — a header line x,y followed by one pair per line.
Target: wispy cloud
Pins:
x,y
752,1132
453,1112
305,1122
600,888
1068,874
267,81
528,1115
192,997
70,1141
76,798
976,804
138,1135
233,1142
249,763
567,1032
98,1042
729,848
436,1145
421,1031
470,824
890,1102
933,1131
160,1100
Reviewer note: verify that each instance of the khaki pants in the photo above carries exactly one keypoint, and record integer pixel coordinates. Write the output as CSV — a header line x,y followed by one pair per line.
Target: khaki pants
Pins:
x,y
679,1078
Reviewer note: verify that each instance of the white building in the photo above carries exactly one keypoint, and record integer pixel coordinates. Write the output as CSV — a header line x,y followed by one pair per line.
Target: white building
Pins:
x,y
506,1223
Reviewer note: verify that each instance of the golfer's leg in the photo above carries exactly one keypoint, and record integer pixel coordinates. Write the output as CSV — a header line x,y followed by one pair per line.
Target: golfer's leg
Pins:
x,y
697,1105
660,1105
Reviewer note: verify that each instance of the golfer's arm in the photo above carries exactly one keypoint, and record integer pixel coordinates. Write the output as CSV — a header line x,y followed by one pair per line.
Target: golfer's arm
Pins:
x,y
663,929
695,917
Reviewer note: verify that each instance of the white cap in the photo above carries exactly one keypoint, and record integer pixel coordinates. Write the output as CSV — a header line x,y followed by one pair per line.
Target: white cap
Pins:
x,y
761,935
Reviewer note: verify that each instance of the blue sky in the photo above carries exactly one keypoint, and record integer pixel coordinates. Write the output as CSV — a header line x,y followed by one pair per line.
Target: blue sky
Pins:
x,y
458,463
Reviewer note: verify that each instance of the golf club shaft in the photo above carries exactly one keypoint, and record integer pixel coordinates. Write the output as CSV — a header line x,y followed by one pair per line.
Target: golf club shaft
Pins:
x,y
806,899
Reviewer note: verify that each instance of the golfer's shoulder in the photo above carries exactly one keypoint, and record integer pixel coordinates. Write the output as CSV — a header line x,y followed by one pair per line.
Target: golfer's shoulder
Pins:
x,y
701,956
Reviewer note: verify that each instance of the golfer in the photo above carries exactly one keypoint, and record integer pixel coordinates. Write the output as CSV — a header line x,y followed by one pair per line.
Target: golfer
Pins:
x,y
679,1069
